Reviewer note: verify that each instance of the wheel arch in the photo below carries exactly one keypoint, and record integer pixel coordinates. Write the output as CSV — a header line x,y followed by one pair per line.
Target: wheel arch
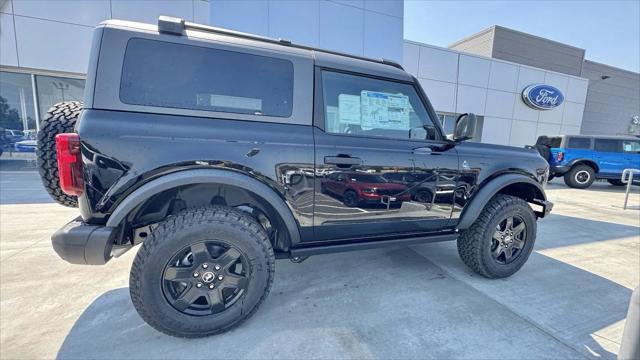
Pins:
x,y
510,184
269,199
584,161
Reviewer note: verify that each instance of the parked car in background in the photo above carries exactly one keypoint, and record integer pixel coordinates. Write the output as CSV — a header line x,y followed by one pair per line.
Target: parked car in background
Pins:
x,y
361,188
25,146
13,136
582,159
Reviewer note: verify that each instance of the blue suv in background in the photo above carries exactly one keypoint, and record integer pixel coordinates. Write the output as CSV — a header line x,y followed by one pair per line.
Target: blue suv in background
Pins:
x,y
581,159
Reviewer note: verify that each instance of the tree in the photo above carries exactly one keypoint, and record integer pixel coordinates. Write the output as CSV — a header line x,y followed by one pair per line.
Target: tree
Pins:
x,y
9,118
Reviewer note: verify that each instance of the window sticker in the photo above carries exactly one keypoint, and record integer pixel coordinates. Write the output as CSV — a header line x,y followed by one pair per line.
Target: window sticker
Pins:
x,y
332,121
349,109
384,111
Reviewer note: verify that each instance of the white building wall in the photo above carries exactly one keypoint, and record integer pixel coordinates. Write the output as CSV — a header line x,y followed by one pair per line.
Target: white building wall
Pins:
x,y
371,28
43,35
56,36
458,82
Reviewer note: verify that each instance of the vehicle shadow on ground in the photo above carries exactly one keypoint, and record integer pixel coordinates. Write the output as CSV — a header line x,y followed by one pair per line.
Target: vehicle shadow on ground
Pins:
x,y
557,230
600,186
389,304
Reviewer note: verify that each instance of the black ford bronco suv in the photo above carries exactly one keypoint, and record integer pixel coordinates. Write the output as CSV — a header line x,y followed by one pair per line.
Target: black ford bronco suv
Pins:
x,y
220,151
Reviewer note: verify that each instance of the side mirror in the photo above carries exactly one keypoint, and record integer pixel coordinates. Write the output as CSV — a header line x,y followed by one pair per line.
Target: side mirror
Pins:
x,y
465,127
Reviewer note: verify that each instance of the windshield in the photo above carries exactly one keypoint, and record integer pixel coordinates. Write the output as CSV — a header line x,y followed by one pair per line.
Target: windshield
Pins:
x,y
367,178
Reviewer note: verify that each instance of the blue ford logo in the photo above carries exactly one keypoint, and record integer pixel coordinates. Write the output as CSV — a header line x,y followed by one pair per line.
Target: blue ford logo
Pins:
x,y
542,97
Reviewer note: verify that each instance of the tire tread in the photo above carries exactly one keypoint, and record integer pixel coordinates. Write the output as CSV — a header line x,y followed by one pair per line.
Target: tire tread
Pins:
x,y
61,118
470,241
212,215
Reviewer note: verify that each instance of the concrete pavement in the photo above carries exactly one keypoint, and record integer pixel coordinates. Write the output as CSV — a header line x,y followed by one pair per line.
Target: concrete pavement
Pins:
x,y
568,301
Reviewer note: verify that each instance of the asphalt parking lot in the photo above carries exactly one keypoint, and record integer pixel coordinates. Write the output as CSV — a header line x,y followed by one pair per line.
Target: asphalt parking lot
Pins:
x,y
569,300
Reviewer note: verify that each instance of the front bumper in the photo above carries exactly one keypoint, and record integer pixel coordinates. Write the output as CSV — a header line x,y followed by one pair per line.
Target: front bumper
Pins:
x,y
81,243
546,205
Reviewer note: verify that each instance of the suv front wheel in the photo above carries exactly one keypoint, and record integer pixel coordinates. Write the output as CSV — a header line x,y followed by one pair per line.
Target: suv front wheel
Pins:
x,y
500,241
580,176
202,272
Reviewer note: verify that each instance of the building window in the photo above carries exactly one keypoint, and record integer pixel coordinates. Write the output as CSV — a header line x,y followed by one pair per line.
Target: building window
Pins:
x,y
448,122
52,90
17,110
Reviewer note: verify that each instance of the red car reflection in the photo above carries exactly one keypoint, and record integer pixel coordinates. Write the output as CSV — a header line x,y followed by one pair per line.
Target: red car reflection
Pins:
x,y
357,189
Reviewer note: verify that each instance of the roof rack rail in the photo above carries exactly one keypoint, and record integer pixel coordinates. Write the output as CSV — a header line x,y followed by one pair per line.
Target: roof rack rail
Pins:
x,y
177,26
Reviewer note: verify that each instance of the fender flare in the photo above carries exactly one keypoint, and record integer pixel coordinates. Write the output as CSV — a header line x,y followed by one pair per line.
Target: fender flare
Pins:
x,y
481,197
206,176
590,162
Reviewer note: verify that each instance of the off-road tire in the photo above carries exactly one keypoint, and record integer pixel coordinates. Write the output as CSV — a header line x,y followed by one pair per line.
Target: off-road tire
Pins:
x,y
188,227
578,170
61,118
616,182
474,243
424,196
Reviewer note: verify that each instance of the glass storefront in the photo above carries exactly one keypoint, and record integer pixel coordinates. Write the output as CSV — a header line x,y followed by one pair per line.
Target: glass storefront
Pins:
x,y
25,99
51,90
17,110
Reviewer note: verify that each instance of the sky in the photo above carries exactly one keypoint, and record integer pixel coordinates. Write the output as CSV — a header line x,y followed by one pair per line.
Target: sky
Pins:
x,y
609,31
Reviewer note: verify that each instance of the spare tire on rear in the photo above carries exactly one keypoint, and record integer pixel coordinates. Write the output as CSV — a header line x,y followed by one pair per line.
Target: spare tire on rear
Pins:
x,y
61,118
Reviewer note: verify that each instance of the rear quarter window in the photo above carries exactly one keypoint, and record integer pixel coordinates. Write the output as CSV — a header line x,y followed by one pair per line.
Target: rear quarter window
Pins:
x,y
579,143
164,74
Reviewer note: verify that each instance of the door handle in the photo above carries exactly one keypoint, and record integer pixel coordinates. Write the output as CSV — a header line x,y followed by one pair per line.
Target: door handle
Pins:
x,y
423,151
342,160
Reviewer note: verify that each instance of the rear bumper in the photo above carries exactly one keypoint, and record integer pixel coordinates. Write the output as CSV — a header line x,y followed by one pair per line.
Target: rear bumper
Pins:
x,y
558,169
81,243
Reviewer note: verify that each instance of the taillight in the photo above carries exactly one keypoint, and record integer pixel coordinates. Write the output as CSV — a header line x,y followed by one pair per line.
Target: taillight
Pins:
x,y
560,156
70,163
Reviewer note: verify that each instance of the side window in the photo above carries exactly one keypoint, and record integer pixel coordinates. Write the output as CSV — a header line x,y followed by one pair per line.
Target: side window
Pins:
x,y
607,145
631,146
579,143
359,105
208,79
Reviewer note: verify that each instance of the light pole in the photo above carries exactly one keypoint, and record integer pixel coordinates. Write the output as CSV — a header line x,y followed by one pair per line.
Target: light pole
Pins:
x,y
61,86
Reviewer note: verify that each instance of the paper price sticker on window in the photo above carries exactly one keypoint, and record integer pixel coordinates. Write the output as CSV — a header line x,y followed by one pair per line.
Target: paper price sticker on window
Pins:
x,y
349,109
384,111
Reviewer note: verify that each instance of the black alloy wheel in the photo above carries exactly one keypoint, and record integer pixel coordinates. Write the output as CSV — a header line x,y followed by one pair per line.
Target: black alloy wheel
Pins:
x,y
350,198
423,196
508,239
205,278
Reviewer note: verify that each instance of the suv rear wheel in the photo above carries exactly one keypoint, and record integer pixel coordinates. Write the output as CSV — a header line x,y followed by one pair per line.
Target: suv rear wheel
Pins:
x,y
500,241
580,176
202,272
61,118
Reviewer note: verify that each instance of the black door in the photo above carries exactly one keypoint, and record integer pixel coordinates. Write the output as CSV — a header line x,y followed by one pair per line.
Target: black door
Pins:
x,y
381,168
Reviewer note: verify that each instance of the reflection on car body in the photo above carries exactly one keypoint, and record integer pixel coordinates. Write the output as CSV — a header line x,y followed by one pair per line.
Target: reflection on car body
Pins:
x,y
361,189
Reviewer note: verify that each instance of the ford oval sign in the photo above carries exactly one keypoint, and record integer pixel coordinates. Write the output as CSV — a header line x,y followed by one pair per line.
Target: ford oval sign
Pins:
x,y
542,97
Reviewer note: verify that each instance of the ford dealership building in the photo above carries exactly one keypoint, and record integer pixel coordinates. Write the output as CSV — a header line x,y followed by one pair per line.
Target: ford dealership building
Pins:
x,y
519,85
